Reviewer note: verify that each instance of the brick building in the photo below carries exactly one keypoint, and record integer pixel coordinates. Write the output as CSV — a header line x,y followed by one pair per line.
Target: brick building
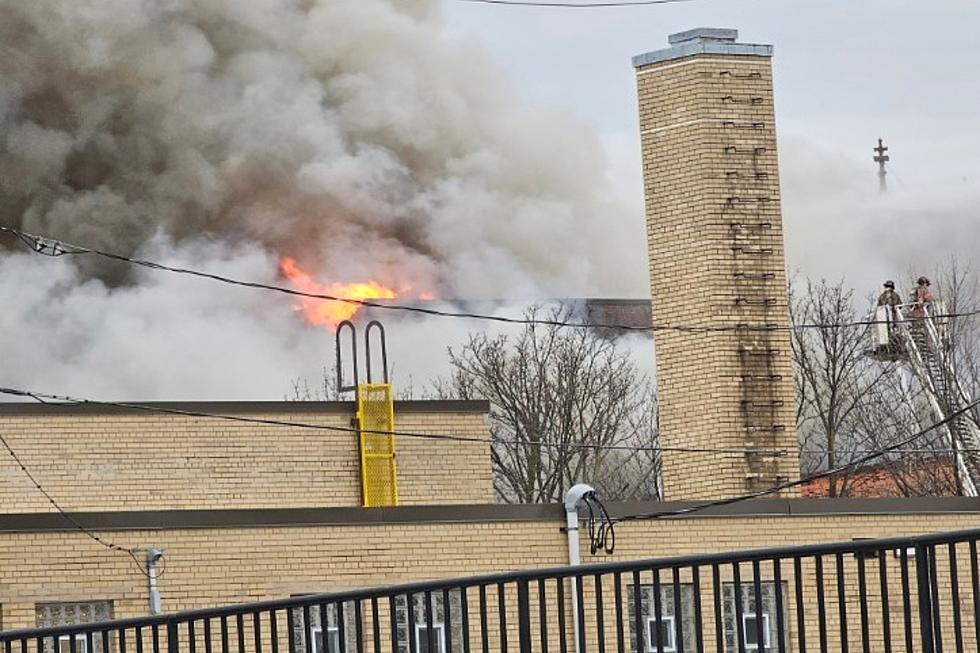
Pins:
x,y
248,511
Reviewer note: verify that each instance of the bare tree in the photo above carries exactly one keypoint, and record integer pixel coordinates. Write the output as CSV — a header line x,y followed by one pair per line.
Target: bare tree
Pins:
x,y
567,406
322,389
958,289
833,377
850,405
895,410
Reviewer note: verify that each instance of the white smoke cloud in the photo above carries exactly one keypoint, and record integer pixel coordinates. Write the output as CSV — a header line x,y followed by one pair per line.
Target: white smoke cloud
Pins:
x,y
839,225
349,134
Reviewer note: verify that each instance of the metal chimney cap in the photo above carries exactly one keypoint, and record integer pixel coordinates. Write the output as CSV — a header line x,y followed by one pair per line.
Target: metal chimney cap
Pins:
x,y
704,34
703,41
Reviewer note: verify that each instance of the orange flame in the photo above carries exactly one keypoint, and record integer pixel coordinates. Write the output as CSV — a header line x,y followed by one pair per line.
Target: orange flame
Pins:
x,y
327,313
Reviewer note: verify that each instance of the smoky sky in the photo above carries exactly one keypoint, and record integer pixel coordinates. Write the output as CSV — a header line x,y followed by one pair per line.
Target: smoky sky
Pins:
x,y
353,135
464,150
349,134
845,74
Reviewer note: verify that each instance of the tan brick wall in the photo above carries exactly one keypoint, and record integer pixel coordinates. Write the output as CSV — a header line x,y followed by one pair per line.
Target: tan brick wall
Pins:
x,y
208,567
145,461
716,257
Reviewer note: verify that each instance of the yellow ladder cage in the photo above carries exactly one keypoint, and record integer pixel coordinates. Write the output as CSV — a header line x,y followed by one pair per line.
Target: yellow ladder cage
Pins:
x,y
376,421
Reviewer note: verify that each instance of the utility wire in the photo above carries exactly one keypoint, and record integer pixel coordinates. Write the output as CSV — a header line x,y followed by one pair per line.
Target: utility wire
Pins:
x,y
575,5
878,453
108,544
69,401
56,248
66,401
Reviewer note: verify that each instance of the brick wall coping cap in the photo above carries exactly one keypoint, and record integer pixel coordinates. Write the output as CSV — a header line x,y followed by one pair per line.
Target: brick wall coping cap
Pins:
x,y
689,46
307,517
252,407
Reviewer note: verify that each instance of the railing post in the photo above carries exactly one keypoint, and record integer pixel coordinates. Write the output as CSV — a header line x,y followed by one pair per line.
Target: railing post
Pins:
x,y
524,615
924,584
172,643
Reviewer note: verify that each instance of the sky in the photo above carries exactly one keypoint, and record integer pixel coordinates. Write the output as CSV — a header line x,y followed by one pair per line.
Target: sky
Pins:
x,y
501,161
846,73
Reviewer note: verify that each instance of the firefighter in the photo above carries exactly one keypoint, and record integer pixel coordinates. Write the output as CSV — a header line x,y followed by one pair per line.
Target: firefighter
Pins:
x,y
921,297
889,297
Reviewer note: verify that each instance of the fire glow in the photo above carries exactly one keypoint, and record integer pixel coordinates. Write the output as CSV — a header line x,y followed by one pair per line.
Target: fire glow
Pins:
x,y
324,312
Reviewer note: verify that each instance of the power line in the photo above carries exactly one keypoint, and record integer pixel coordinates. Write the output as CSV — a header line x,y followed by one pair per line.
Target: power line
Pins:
x,y
877,453
71,401
108,544
575,5
56,248
67,401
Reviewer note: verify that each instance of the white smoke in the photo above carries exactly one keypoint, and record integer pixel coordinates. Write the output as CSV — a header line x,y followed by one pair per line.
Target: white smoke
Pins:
x,y
349,134
839,226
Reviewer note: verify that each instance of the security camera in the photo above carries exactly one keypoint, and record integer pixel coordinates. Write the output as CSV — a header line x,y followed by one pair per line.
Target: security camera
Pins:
x,y
153,555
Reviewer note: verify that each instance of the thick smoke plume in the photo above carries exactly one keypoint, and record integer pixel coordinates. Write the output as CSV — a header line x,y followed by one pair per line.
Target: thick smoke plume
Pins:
x,y
345,133
219,134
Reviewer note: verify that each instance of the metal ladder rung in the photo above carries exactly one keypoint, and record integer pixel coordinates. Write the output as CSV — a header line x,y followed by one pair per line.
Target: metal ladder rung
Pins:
x,y
775,428
755,175
733,75
762,377
735,199
760,450
731,149
743,301
748,251
752,99
776,403
760,226
764,327
756,276
768,353
732,124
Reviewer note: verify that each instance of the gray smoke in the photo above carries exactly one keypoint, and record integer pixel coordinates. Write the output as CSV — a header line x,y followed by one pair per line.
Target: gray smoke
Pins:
x,y
839,226
348,134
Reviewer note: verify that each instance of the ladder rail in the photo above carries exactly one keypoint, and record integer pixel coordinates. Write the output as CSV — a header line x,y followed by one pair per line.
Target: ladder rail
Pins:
x,y
950,370
957,398
920,366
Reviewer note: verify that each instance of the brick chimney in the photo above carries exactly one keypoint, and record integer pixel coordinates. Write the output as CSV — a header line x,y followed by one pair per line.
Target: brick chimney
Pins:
x,y
715,237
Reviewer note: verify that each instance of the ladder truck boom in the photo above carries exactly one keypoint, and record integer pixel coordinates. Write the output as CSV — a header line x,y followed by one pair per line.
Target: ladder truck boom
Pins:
x,y
916,335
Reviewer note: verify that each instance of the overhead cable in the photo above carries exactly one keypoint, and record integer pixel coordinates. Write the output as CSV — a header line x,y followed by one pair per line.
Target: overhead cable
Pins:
x,y
57,248
101,541
67,401
575,5
878,453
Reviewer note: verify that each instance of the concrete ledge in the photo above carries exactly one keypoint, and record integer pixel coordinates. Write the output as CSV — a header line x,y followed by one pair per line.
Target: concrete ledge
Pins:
x,y
313,517
240,407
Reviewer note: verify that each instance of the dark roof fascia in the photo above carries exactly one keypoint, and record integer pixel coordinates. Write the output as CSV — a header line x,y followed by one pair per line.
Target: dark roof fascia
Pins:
x,y
242,407
492,513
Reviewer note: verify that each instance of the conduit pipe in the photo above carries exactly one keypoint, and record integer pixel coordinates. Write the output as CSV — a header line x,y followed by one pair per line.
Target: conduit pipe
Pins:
x,y
572,501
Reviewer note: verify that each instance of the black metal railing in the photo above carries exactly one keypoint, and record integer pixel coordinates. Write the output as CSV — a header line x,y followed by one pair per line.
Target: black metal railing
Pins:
x,y
894,595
